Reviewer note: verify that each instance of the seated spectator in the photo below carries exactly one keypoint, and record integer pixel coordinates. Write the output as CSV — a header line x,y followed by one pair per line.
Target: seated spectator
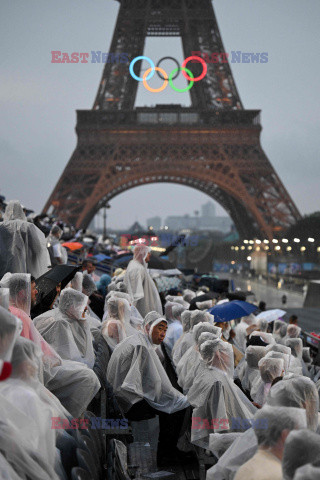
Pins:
x,y
23,246
301,447
58,254
187,340
215,397
270,368
68,331
271,426
89,267
117,325
173,313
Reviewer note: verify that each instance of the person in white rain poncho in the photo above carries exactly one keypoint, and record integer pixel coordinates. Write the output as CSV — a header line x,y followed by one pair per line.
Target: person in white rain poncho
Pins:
x,y
279,331
241,331
142,386
67,331
270,368
296,346
187,340
139,283
136,373
136,319
192,353
173,313
218,404
72,382
117,325
249,370
27,446
25,393
301,447
298,392
191,363
271,426
293,331
58,253
23,246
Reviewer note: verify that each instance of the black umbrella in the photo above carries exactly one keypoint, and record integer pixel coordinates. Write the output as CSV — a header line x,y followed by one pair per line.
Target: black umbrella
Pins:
x,y
47,283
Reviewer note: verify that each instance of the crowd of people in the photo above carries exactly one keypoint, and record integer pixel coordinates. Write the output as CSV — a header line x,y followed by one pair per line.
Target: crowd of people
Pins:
x,y
246,397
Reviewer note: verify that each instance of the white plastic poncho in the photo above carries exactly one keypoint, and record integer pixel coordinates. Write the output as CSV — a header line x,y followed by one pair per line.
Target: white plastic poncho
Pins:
x,y
4,298
270,368
139,283
34,414
173,312
117,325
245,447
73,383
188,295
293,331
193,363
249,369
187,340
241,332
136,319
307,472
135,373
23,245
265,337
279,331
26,362
298,392
10,329
301,447
197,330
282,356
67,330
219,405
296,346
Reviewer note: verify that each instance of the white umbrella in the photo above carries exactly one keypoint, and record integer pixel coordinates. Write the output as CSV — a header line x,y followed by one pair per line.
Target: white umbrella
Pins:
x,y
271,315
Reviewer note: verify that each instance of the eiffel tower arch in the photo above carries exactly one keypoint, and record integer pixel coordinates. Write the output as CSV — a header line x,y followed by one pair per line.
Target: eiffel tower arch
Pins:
x,y
212,146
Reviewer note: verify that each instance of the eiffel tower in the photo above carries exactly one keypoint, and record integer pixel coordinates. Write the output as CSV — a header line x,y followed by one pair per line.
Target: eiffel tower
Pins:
x,y
212,146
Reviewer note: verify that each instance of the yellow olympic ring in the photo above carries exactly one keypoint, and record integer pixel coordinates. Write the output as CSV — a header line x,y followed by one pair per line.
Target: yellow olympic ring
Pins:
x,y
165,82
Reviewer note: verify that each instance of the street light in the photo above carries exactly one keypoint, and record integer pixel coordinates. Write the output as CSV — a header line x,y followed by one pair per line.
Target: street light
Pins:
x,y
258,242
303,249
289,249
274,240
297,240
285,240
310,239
245,241
277,247
266,241
249,258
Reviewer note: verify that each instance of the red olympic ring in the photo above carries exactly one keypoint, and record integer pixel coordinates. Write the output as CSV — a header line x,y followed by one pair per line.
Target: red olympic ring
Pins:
x,y
204,66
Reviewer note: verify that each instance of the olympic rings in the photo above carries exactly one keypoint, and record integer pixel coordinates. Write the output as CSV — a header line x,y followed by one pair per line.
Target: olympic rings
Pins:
x,y
155,90
204,65
147,76
181,90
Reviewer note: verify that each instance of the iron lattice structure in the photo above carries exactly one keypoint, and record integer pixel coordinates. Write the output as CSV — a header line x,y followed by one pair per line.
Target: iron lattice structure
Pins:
x,y
213,146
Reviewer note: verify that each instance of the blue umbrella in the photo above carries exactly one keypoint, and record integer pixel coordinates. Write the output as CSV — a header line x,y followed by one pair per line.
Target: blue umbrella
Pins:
x,y
231,310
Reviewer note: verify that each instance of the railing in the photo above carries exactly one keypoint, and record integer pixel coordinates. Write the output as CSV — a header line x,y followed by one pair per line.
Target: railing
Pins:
x,y
157,116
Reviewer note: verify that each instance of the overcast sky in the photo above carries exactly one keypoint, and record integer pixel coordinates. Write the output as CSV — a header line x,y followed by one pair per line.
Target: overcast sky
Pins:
x,y
38,99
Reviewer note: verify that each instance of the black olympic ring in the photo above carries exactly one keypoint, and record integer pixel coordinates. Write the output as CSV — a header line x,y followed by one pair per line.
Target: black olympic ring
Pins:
x,y
166,58
175,61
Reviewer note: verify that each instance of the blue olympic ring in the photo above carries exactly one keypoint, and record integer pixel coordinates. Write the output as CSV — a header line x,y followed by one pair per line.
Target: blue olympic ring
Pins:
x,y
139,79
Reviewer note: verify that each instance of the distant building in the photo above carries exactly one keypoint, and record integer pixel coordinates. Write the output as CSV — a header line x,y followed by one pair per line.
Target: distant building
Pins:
x,y
207,221
154,222
208,209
